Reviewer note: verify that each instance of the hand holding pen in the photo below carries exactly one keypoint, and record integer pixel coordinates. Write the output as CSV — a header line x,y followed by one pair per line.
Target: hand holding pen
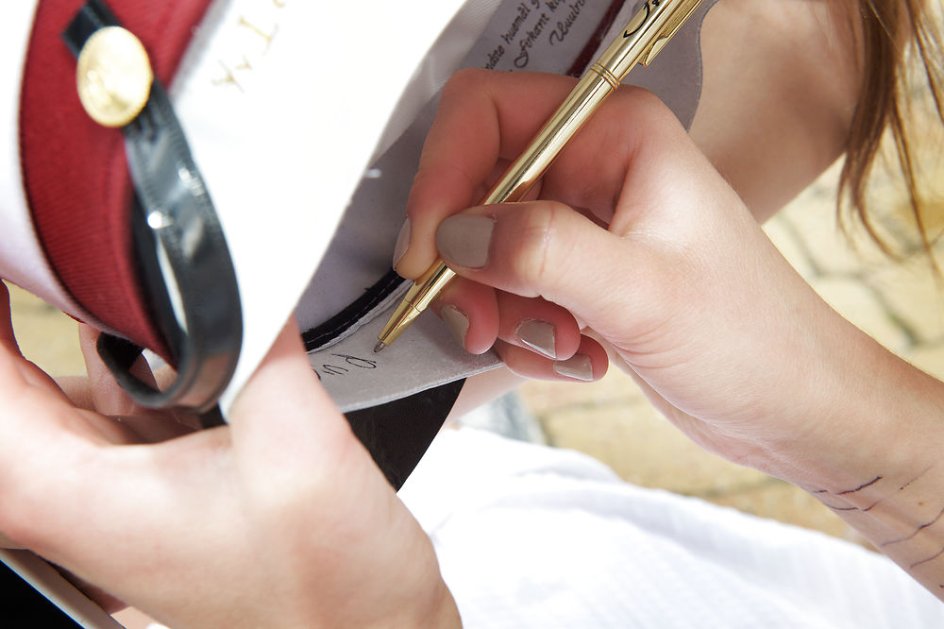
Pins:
x,y
643,38
633,242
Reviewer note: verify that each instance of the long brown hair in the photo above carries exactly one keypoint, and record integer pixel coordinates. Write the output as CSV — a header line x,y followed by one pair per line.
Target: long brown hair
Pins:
x,y
895,34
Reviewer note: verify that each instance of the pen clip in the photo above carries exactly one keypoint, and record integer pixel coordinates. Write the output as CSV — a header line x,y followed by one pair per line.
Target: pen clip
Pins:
x,y
672,26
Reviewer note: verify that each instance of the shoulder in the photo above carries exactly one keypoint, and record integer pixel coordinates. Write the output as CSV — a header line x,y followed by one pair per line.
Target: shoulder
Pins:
x,y
781,83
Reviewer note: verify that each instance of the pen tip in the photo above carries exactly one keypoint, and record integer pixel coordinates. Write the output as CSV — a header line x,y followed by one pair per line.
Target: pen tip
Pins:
x,y
379,347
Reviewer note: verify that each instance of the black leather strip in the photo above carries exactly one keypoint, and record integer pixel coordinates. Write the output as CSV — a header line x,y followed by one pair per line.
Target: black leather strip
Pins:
x,y
339,323
90,18
23,606
187,271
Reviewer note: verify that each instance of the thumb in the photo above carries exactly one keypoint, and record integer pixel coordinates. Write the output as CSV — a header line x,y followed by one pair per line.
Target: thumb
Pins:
x,y
283,419
544,249
7,337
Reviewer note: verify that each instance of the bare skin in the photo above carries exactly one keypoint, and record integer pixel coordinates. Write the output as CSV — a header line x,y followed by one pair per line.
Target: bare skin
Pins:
x,y
244,525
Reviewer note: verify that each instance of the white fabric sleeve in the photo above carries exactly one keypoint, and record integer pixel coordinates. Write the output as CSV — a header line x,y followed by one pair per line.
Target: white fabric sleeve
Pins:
x,y
530,536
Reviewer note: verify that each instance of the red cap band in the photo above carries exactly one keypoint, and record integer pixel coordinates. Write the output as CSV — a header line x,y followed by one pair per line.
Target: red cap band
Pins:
x,y
74,171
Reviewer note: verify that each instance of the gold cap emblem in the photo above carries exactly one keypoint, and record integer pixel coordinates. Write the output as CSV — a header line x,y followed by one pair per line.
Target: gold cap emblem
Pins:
x,y
114,76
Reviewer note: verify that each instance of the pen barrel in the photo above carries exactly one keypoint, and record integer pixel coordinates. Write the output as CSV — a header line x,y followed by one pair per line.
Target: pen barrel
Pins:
x,y
416,300
646,34
428,287
642,39
524,172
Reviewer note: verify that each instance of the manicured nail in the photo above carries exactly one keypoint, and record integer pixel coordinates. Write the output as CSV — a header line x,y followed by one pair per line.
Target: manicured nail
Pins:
x,y
464,240
579,368
403,241
537,335
457,322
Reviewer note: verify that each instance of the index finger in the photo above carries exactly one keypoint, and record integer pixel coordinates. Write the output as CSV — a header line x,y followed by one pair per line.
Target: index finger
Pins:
x,y
483,117
285,423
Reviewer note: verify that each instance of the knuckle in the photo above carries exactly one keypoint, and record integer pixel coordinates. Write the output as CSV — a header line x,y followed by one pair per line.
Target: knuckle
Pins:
x,y
464,81
537,241
645,106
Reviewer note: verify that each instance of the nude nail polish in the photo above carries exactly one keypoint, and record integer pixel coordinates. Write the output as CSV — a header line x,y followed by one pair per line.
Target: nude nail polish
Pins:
x,y
539,336
464,240
403,242
578,367
457,323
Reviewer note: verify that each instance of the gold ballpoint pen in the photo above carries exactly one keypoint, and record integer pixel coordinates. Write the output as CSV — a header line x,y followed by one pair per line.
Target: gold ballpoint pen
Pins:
x,y
644,37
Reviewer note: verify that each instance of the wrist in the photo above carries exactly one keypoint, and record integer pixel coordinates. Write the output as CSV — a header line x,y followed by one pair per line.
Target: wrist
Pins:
x,y
879,468
869,449
857,412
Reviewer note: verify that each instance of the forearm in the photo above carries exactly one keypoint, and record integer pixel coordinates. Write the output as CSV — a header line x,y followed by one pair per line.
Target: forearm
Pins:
x,y
901,514
874,458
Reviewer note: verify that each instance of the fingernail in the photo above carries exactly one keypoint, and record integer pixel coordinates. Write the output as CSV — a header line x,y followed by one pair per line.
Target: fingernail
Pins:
x,y
457,323
403,241
465,239
539,336
579,368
